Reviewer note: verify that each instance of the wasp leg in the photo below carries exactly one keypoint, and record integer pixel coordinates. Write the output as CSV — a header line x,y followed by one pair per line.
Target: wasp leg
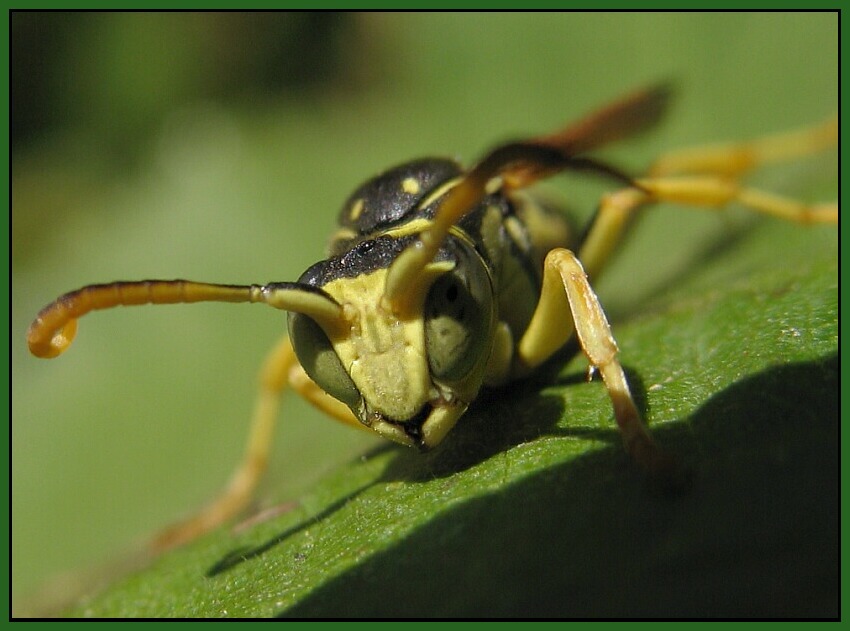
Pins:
x,y
707,192
706,177
566,291
236,495
736,159
716,192
280,368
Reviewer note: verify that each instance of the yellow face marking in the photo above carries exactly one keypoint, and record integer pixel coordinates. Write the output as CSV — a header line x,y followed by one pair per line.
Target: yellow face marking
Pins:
x,y
356,210
384,355
410,185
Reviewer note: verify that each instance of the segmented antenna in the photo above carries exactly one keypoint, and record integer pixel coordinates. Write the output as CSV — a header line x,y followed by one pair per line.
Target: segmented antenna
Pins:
x,y
55,326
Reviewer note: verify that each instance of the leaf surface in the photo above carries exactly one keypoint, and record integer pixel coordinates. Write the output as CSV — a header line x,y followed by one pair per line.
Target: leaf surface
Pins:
x,y
531,507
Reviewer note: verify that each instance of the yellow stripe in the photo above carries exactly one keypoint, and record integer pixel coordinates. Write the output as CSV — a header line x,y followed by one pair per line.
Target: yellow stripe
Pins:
x,y
440,191
416,226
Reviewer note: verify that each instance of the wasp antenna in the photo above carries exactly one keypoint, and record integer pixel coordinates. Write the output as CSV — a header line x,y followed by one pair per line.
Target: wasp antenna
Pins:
x,y
55,326
307,300
460,200
405,271
520,164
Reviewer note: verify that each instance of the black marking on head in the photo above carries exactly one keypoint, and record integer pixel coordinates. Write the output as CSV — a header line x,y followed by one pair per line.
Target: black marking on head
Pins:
x,y
365,257
386,202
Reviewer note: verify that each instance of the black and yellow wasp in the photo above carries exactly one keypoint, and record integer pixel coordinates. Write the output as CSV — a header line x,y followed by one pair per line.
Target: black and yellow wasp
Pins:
x,y
442,280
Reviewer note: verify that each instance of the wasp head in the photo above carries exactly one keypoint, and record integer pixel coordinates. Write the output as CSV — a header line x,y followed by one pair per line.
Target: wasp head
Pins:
x,y
407,368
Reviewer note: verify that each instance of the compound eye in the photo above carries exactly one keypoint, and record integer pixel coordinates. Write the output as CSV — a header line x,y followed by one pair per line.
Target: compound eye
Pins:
x,y
457,322
320,361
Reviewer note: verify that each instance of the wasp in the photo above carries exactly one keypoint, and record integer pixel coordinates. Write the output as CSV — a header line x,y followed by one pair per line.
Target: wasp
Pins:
x,y
442,280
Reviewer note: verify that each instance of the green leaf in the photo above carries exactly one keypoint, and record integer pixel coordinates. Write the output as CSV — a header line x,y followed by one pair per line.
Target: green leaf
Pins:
x,y
532,508
727,326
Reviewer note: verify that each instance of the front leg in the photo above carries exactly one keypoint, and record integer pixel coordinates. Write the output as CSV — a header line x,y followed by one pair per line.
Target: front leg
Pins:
x,y
568,303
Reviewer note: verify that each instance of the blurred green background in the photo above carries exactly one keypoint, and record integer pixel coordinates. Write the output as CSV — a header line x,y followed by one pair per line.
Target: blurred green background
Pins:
x,y
219,147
